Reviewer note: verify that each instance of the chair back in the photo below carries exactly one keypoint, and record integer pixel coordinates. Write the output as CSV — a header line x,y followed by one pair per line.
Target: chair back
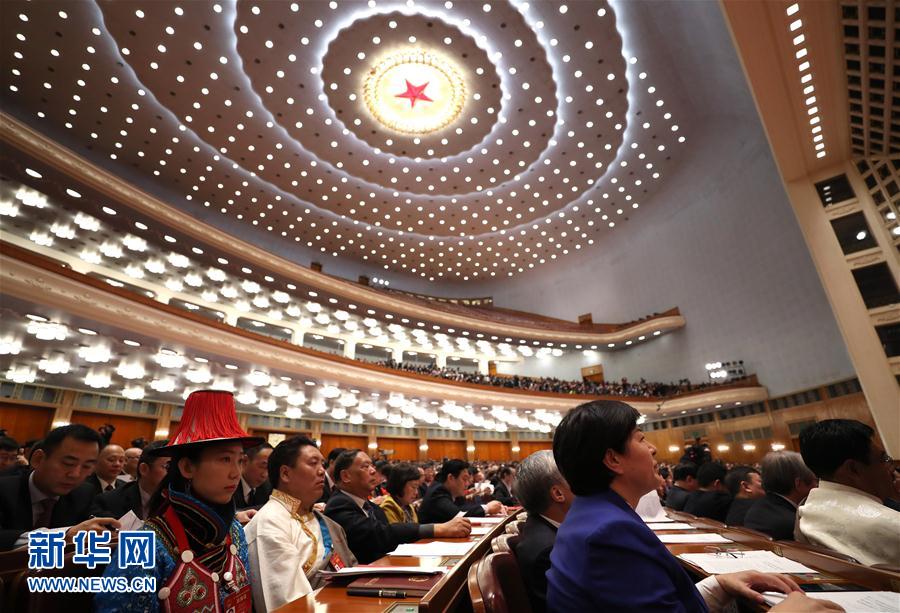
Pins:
x,y
512,527
505,543
495,585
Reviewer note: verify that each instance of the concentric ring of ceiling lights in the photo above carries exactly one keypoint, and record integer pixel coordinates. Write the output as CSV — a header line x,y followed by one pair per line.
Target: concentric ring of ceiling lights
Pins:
x,y
252,113
419,71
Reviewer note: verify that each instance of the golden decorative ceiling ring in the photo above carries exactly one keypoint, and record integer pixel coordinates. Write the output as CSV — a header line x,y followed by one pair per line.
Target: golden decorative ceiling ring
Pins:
x,y
384,83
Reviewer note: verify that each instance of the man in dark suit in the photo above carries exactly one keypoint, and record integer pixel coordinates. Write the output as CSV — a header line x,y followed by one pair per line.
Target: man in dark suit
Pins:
x,y
712,498
109,467
787,481
135,495
684,482
427,478
369,534
329,488
439,504
744,483
254,489
546,496
503,489
54,494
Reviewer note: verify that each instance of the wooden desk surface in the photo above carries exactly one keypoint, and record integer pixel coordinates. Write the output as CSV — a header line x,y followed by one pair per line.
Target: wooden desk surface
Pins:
x,y
444,595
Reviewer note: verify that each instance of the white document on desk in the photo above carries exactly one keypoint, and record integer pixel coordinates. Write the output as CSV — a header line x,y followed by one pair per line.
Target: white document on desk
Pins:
x,y
669,526
435,548
738,561
481,530
699,537
130,521
857,602
485,520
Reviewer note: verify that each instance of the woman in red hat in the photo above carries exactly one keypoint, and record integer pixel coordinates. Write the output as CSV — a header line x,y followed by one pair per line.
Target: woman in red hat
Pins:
x,y
201,552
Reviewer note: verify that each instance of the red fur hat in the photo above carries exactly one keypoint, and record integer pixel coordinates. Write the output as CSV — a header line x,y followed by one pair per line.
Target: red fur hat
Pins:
x,y
209,417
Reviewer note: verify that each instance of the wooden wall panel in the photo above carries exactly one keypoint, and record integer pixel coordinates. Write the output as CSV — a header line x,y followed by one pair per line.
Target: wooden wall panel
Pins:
x,y
852,406
23,422
526,448
405,449
439,449
127,428
493,451
347,441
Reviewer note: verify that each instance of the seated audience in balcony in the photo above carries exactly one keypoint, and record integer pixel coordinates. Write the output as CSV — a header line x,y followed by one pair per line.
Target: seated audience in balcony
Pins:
x,y
439,504
369,533
135,495
546,497
289,542
254,488
503,490
711,498
605,558
684,483
54,494
402,490
847,511
787,482
744,483
109,467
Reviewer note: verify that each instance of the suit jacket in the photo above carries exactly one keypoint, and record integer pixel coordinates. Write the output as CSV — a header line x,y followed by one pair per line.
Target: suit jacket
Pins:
x,y
606,559
773,515
94,482
394,512
369,534
438,506
118,502
676,498
257,500
15,508
713,505
738,510
533,555
502,493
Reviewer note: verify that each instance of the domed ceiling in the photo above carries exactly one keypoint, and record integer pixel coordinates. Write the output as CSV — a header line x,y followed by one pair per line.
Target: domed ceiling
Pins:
x,y
447,140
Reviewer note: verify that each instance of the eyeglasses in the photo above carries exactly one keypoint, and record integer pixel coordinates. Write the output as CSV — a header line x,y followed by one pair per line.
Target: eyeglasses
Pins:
x,y
885,458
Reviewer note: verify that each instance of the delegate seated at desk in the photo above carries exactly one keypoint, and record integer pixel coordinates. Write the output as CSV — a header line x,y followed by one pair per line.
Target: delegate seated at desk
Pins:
x,y
605,558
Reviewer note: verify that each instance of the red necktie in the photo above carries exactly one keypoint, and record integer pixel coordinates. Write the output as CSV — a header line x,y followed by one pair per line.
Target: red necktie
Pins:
x,y
46,515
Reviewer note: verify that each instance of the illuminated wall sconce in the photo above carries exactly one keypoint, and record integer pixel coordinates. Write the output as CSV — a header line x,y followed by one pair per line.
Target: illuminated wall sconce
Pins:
x,y
749,447
722,448
516,449
423,447
470,448
373,445
674,448
777,446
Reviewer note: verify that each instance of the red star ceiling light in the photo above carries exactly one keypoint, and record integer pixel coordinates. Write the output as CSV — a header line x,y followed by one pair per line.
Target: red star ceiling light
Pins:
x,y
415,92
411,73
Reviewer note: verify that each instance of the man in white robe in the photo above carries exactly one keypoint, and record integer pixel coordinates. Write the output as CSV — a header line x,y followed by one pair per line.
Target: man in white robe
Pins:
x,y
846,512
290,543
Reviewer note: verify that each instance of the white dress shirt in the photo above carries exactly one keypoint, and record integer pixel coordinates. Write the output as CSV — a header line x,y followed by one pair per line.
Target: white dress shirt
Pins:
x,y
278,548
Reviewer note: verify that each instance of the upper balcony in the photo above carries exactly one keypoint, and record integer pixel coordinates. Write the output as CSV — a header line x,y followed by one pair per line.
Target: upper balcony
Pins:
x,y
171,241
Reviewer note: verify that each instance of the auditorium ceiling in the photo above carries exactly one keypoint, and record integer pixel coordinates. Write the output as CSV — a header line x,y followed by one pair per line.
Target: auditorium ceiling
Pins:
x,y
451,141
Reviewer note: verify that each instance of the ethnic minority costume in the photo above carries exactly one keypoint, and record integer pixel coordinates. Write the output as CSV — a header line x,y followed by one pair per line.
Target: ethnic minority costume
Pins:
x,y
201,564
289,549
201,561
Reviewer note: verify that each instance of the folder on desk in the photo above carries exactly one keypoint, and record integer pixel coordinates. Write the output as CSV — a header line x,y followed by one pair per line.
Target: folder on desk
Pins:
x,y
414,586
